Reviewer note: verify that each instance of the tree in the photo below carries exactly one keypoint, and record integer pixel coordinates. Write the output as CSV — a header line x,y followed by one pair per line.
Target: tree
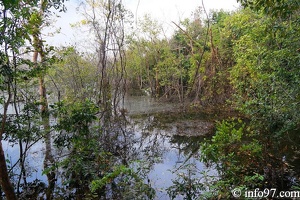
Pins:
x,y
266,75
144,54
37,20
13,37
106,20
21,19
275,8
73,77
206,59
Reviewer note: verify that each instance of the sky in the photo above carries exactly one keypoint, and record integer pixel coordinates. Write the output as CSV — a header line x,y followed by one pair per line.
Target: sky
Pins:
x,y
167,10
164,11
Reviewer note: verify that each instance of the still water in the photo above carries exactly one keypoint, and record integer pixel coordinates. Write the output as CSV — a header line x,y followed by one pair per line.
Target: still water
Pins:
x,y
168,153
171,149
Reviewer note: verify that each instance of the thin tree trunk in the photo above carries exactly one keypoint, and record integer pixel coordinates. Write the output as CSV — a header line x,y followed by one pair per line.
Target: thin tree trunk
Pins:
x,y
22,156
105,87
156,84
49,160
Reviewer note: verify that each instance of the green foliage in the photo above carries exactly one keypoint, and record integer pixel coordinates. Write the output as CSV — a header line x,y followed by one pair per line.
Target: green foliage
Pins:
x,y
254,53
184,65
76,120
80,136
96,184
131,185
187,183
168,69
276,8
259,54
236,154
266,74
74,75
20,116
24,126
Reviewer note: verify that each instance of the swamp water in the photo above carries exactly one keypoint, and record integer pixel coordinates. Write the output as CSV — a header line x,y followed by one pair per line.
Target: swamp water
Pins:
x,y
166,153
160,144
171,150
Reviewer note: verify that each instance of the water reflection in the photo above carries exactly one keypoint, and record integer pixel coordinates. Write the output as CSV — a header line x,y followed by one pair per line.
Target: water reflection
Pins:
x,y
165,155
146,104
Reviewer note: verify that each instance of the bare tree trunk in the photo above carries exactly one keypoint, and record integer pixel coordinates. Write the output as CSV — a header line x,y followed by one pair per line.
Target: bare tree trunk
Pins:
x,y
111,62
156,84
49,160
22,156
197,81
105,89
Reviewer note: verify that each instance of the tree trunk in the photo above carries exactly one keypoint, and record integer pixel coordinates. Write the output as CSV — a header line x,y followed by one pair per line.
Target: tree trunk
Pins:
x,y
49,160
156,84
4,177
